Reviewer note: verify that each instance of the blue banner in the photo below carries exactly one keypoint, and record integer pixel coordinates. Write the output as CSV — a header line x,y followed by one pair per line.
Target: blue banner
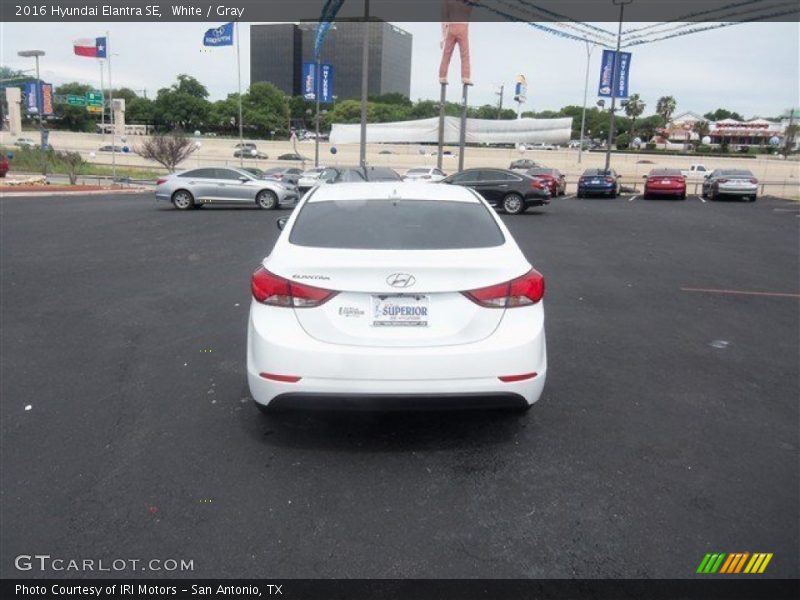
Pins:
x,y
219,36
329,12
620,84
309,84
321,81
31,97
326,84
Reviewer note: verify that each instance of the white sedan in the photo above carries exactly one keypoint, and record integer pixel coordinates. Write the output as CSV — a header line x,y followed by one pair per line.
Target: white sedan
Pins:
x,y
424,174
395,295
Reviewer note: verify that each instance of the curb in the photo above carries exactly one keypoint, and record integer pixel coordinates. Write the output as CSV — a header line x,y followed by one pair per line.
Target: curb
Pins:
x,y
4,194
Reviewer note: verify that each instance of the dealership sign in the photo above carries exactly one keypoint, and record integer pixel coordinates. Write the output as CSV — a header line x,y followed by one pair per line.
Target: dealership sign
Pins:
x,y
318,79
607,67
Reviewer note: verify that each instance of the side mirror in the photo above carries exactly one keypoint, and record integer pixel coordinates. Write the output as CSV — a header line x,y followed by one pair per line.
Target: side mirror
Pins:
x,y
244,179
281,222
644,176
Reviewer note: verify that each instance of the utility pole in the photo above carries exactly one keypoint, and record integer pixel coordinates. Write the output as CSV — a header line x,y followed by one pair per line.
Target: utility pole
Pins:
x,y
364,86
589,49
614,81
500,101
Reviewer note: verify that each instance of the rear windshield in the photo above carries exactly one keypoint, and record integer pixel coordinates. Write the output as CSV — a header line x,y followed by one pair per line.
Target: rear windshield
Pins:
x,y
396,225
666,173
418,171
736,173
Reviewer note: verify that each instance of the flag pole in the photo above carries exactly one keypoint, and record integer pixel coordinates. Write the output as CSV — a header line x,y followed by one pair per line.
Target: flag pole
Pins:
x,y
111,105
239,73
102,93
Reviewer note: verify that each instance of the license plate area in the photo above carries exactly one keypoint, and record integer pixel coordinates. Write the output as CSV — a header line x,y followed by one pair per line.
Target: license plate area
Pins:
x,y
400,310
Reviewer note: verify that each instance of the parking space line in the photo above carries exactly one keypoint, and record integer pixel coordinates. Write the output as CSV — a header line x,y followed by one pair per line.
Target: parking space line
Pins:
x,y
699,197
568,197
741,292
632,198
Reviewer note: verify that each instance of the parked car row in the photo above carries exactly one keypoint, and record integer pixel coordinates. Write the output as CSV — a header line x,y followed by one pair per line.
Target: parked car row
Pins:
x,y
512,191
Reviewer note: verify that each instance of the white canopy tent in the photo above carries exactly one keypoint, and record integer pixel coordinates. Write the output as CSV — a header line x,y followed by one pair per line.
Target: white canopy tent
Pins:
x,y
479,131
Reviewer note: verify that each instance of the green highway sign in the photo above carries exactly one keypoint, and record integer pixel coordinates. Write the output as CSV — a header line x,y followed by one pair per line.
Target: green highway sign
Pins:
x,y
76,100
94,98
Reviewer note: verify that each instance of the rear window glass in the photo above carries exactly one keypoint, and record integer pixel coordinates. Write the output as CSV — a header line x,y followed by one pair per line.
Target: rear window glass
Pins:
x,y
396,225
418,170
666,173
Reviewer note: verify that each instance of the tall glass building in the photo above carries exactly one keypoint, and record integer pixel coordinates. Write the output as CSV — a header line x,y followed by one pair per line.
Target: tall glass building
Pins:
x,y
278,51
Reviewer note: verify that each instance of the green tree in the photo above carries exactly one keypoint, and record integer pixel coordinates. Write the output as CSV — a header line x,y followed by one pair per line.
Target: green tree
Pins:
x,y
264,108
723,113
701,128
665,107
634,108
184,105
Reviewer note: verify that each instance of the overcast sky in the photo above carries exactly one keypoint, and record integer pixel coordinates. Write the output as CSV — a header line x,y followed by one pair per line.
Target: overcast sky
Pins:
x,y
750,68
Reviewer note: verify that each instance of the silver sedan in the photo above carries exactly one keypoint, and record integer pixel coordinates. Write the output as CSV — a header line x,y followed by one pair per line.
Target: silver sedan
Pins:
x,y
222,185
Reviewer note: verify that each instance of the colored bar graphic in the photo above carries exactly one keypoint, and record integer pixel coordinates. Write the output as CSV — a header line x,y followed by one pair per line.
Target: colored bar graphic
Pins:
x,y
727,565
764,564
703,563
740,564
731,564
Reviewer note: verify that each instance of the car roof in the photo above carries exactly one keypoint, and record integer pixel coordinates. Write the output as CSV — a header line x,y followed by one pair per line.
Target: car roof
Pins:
x,y
388,190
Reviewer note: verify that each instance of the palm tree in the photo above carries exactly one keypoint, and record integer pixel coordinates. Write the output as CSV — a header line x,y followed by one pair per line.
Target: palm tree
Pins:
x,y
633,109
665,107
701,128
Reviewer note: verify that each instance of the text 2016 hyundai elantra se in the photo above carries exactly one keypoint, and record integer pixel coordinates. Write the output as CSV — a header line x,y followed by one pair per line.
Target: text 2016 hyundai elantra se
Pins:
x,y
395,295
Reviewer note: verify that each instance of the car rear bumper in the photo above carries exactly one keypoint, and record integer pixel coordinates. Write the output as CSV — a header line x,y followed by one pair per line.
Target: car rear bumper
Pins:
x,y
737,190
277,344
665,191
596,189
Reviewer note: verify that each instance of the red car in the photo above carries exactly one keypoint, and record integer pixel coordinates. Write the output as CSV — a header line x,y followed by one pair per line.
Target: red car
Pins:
x,y
3,166
665,182
555,180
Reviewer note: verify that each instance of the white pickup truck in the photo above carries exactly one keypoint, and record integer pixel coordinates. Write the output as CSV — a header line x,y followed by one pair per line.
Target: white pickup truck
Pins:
x,y
697,171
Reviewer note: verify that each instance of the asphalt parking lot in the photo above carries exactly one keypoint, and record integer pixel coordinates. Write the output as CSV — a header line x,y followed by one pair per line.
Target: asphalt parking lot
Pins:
x,y
668,427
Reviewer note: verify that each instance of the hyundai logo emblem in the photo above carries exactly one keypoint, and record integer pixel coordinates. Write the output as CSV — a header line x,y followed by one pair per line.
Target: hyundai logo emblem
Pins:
x,y
401,280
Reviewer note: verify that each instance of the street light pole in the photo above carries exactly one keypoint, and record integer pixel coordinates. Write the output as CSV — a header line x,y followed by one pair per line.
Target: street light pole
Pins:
x,y
39,100
589,49
614,82
364,87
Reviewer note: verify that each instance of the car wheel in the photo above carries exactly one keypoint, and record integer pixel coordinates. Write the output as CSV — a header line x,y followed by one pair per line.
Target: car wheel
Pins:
x,y
683,196
579,195
267,200
182,200
646,196
264,409
513,204
753,198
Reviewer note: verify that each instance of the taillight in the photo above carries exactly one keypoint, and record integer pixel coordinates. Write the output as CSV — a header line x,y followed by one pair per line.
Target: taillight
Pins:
x,y
722,181
523,291
160,181
610,179
753,180
537,184
270,289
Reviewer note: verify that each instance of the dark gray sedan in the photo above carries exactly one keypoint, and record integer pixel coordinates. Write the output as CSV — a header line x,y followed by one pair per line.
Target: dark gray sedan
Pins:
x,y
223,185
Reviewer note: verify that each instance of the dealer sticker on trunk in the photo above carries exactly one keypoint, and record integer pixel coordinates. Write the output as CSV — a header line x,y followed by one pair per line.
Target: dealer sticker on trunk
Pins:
x,y
400,311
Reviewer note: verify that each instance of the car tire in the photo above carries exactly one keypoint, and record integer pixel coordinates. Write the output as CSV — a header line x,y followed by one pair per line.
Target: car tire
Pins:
x,y
753,198
267,200
683,196
513,204
646,196
182,200
578,194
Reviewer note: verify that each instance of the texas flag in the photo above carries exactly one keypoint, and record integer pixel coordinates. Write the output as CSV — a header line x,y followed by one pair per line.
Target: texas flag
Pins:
x,y
95,48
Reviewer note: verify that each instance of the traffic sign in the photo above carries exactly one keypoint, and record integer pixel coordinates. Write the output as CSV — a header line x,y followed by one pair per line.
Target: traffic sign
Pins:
x,y
94,98
76,100
94,109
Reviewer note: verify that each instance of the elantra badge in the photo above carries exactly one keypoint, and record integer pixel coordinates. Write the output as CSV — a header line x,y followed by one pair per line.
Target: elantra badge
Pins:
x,y
401,280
